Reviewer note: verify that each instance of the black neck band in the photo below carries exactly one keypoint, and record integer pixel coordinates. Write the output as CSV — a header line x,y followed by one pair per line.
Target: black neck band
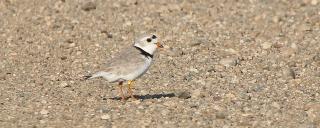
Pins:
x,y
146,54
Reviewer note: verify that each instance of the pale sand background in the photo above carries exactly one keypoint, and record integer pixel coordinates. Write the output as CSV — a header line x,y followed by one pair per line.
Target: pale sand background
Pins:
x,y
243,63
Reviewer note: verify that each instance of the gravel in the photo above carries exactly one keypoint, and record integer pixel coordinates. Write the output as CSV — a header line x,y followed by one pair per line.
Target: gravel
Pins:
x,y
224,63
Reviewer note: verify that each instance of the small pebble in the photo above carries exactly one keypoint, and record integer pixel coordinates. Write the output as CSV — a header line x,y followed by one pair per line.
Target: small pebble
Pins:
x,y
194,70
313,111
266,45
72,45
231,51
64,84
136,101
287,52
63,58
43,101
44,112
196,93
314,2
195,44
184,95
227,62
276,105
170,104
105,117
288,73
2,77
140,107
89,6
220,115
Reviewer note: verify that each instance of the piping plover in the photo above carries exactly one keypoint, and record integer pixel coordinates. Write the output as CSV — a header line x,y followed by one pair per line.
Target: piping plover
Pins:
x,y
130,63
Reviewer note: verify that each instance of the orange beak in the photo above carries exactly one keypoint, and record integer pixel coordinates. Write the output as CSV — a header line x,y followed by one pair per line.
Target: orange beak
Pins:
x,y
159,45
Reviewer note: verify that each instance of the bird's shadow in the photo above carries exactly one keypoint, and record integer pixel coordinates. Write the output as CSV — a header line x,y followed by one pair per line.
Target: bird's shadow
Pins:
x,y
148,96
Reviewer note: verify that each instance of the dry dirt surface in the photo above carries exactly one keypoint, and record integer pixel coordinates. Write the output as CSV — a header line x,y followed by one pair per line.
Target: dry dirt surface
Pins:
x,y
226,63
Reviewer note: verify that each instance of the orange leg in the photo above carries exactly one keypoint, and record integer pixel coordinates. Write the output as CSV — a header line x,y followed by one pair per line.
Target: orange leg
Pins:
x,y
121,91
130,84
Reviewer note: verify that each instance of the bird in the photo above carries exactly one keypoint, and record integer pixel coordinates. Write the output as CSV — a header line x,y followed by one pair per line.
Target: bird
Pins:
x,y
130,63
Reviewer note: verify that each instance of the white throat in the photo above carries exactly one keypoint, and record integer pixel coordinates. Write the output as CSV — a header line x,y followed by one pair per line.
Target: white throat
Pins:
x,y
147,48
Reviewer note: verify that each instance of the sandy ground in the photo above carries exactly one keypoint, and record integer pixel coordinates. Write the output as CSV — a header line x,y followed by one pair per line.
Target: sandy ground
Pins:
x,y
226,63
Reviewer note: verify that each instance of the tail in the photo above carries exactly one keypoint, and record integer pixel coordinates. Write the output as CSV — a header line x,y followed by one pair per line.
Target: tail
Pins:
x,y
98,74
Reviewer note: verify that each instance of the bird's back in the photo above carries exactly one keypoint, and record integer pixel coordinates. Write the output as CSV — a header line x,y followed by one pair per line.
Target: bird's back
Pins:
x,y
127,64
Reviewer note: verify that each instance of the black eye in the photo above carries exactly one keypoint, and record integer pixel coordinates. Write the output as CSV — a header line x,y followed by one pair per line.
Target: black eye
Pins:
x,y
154,37
149,39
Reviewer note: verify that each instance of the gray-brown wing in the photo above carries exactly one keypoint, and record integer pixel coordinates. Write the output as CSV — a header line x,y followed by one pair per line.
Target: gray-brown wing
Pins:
x,y
125,62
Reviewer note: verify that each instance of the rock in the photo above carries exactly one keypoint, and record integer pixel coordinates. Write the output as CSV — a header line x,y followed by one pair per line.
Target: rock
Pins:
x,y
305,27
165,112
43,102
101,110
276,19
42,121
217,98
63,58
294,46
105,117
195,44
44,112
313,112
196,93
230,96
72,45
136,101
258,87
188,77
64,84
218,68
89,6
316,57
183,95
220,115
231,51
109,35
128,23
170,104
276,105
78,53
266,45
191,69
2,77
140,107
287,52
234,80
288,73
227,62
314,2
201,82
